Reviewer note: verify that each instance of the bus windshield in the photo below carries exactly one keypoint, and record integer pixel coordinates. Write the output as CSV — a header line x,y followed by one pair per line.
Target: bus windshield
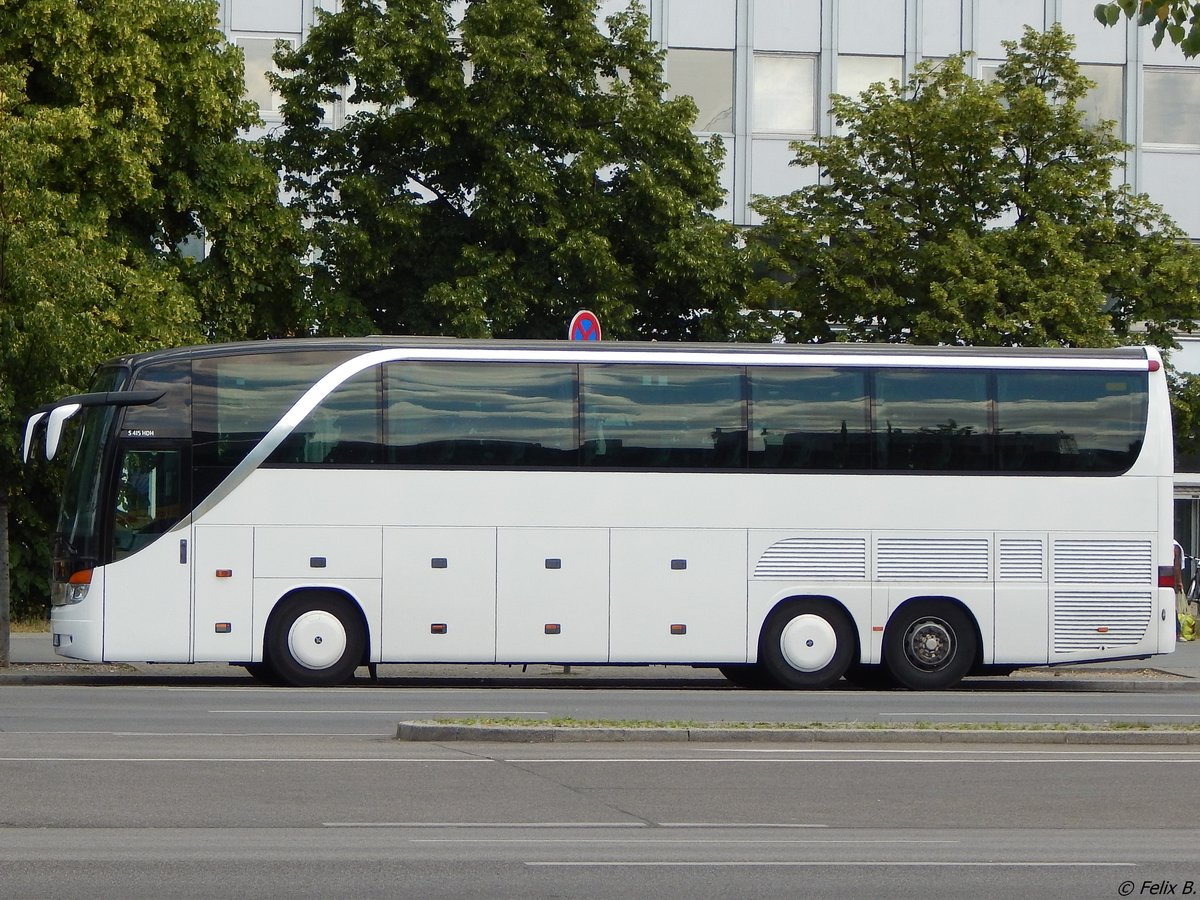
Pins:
x,y
78,521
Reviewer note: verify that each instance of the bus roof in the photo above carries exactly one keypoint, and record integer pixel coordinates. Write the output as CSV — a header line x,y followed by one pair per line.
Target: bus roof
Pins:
x,y
653,351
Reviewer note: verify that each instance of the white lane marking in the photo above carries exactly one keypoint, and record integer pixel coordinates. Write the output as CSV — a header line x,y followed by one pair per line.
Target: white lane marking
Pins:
x,y
485,824
739,825
1130,758
379,712
291,760
1081,751
640,841
829,864
1141,717
584,760
236,734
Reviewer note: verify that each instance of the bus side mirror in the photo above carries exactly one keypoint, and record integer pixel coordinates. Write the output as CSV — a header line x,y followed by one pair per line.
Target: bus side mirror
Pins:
x,y
58,416
30,428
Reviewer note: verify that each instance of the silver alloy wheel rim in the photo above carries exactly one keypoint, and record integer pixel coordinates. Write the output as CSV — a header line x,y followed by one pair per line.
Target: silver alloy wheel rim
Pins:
x,y
808,643
929,643
317,639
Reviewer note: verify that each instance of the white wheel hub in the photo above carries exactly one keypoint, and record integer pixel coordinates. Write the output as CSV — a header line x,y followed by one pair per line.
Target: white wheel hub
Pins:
x,y
808,643
317,639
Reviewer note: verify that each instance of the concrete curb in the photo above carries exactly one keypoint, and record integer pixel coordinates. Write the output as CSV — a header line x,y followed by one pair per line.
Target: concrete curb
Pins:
x,y
71,673
534,734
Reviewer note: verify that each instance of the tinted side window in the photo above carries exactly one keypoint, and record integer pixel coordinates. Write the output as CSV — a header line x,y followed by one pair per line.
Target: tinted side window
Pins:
x,y
932,420
169,417
813,419
344,430
149,498
480,414
1070,421
238,398
669,417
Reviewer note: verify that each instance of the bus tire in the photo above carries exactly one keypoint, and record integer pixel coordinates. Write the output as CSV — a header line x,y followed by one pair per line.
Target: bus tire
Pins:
x,y
315,639
807,644
750,676
930,644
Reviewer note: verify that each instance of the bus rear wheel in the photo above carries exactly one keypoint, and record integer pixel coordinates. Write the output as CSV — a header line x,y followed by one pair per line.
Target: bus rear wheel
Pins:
x,y
807,644
315,640
929,645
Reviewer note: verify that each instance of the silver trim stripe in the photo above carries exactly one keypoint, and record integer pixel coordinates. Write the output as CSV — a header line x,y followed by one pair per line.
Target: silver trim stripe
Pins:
x,y
323,388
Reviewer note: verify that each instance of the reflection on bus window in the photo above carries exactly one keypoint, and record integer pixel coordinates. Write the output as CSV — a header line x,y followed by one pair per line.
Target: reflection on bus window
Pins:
x,y
932,420
344,429
1069,421
812,418
149,499
481,414
667,417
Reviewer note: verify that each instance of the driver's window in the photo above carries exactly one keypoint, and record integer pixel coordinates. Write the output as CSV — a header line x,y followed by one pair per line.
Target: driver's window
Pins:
x,y
149,499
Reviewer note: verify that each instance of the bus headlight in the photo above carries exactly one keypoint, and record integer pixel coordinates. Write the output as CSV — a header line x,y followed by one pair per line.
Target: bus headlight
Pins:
x,y
73,590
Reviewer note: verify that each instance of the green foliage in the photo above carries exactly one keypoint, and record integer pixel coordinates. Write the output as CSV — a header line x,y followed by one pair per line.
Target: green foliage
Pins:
x,y
959,212
1178,20
493,177
1185,417
119,139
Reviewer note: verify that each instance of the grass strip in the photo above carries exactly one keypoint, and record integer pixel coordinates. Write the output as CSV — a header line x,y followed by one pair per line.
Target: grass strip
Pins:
x,y
33,625
569,722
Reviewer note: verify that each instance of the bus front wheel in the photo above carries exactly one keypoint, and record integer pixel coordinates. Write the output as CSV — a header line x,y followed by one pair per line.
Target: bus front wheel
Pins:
x,y
929,645
315,639
807,644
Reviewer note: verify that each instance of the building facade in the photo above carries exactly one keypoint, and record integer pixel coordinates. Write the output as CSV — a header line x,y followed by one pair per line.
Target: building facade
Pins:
x,y
761,72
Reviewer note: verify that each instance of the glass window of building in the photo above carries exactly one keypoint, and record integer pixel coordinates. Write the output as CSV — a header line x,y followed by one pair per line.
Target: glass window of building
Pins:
x,y
1172,106
857,73
707,77
784,93
1105,101
259,63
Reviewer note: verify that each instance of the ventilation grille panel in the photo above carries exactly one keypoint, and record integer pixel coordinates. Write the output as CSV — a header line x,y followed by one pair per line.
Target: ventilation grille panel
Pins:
x,y
1022,560
1103,562
1079,617
815,559
932,559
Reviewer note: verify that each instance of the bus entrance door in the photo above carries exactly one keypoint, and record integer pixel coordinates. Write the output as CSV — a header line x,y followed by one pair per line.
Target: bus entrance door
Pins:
x,y
147,586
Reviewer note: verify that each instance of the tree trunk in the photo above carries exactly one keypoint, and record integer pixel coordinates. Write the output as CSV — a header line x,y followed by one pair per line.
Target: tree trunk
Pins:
x,y
4,607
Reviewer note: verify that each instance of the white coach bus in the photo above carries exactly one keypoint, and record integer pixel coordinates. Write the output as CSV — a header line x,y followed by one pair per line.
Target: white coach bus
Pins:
x,y
790,515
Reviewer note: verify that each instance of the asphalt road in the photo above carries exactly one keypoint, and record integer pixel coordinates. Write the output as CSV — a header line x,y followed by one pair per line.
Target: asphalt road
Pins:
x,y
214,816
201,783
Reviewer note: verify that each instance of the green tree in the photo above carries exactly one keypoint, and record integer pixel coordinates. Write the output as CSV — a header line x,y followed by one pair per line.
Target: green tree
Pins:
x,y
494,175
1178,20
959,212
119,143
1185,417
